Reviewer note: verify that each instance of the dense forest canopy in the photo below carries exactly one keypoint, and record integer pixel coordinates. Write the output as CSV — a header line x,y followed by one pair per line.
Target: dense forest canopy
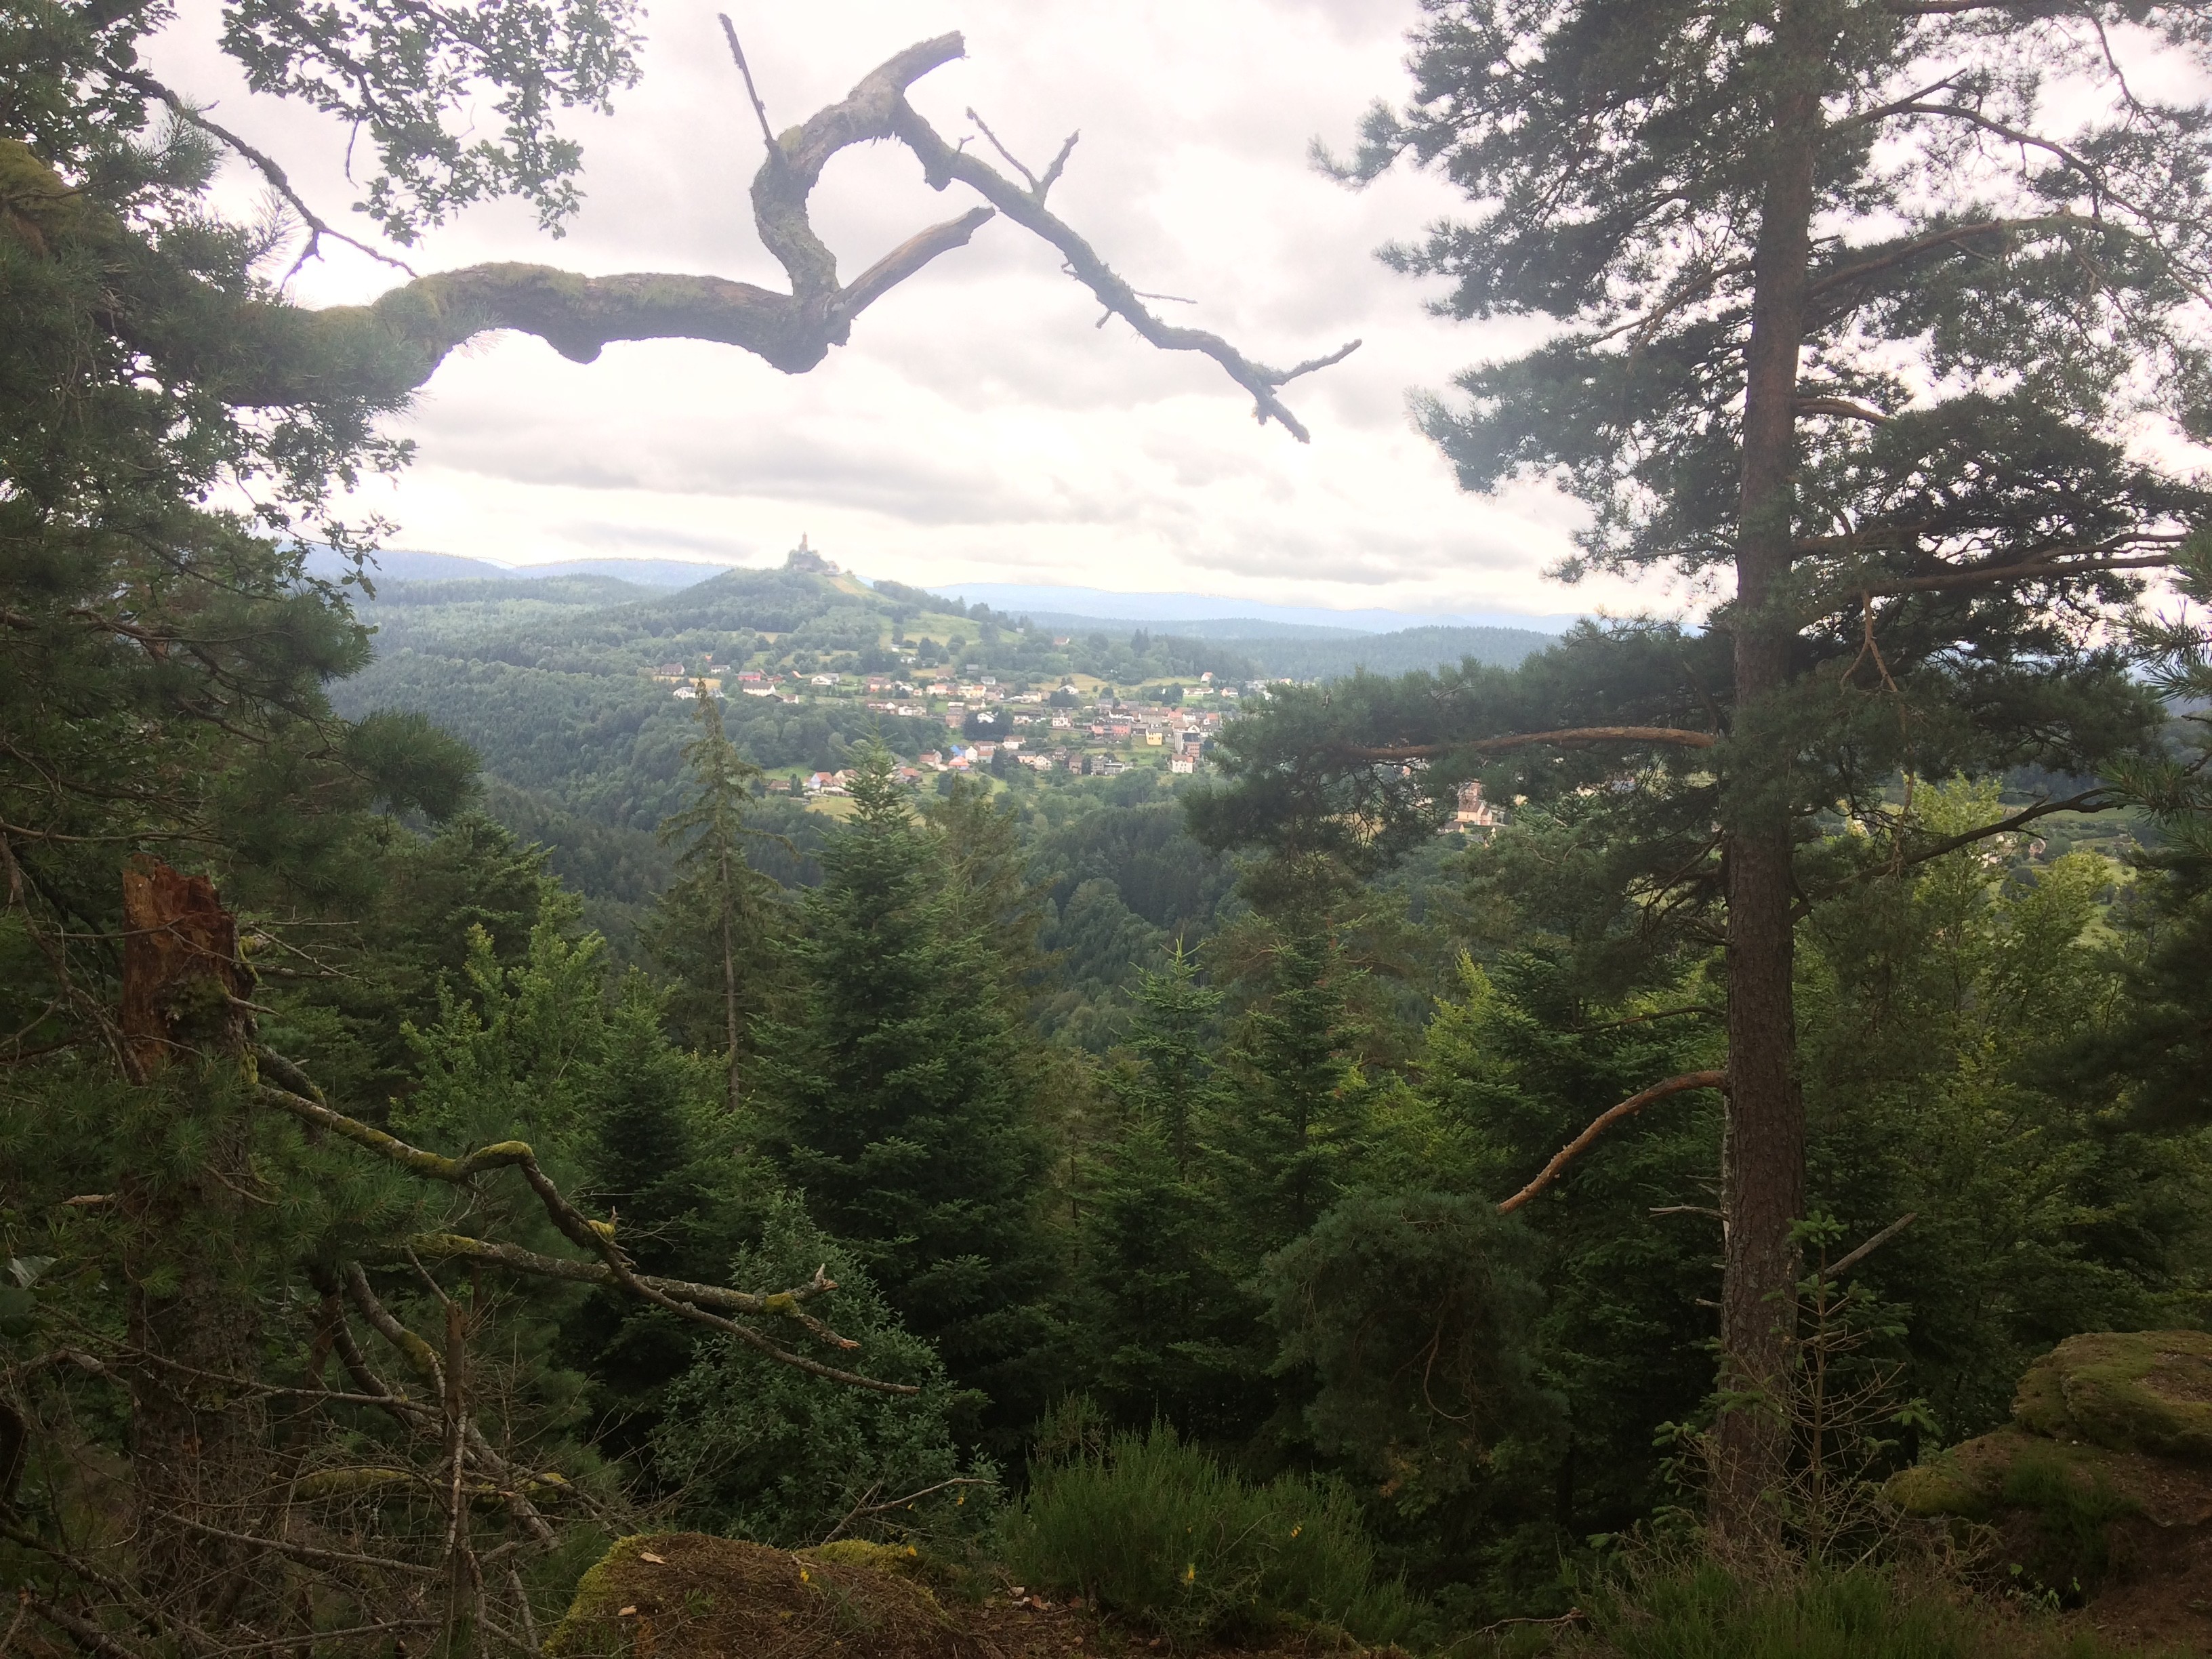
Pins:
x,y
1526,1145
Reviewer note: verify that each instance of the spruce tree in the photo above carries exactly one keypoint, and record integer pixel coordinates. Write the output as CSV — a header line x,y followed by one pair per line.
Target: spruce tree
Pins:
x,y
709,927
1292,1107
900,1095
1166,1328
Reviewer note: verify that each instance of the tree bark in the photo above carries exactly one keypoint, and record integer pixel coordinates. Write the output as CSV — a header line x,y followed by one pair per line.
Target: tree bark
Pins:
x,y
729,899
1763,1164
200,1445
264,353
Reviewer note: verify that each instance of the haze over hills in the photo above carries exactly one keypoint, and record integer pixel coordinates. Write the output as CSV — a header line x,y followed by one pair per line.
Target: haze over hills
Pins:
x,y
1195,616
1190,612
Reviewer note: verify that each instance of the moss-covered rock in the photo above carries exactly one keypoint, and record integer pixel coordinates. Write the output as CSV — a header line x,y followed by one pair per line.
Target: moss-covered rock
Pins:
x,y
2113,1409
2128,1391
900,1559
685,1595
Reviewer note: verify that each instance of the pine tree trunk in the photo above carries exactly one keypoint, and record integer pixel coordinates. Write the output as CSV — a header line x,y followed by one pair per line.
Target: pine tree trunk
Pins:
x,y
729,898
1763,1172
200,1445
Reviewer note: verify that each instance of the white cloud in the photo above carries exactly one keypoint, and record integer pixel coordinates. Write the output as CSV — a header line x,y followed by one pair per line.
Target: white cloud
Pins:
x,y
979,427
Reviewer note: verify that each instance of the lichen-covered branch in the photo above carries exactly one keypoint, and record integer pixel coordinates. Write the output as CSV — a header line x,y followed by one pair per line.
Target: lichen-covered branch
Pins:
x,y
277,355
613,1267
458,1247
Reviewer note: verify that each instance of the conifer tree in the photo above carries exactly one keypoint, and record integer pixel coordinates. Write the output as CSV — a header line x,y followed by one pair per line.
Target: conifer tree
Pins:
x,y
991,883
1288,1124
658,1157
1166,1328
709,927
900,1095
1170,1038
1860,327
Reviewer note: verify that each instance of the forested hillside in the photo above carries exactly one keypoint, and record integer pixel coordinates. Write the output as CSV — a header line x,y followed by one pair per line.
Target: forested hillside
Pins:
x,y
793,1118
551,681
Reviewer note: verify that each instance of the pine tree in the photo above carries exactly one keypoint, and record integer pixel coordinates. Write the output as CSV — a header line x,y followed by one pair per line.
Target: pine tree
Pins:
x,y
1859,322
657,1158
1174,1017
901,1096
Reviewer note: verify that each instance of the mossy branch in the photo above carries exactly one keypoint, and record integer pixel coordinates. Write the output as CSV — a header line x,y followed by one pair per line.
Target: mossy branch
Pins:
x,y
612,1268
271,354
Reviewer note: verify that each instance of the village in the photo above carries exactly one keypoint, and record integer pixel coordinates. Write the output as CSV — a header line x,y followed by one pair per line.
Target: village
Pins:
x,y
1081,727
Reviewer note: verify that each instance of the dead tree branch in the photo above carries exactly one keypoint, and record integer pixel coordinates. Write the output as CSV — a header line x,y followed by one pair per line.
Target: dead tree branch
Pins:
x,y
266,165
1666,735
863,1507
737,51
595,1237
942,163
393,346
1605,1119
1837,1270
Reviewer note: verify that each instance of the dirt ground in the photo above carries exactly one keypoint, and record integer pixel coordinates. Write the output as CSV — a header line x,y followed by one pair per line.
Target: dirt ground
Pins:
x,y
2160,1595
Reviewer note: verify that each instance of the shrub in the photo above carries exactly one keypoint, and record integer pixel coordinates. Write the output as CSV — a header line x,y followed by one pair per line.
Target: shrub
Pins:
x,y
768,1453
1702,1610
1157,1530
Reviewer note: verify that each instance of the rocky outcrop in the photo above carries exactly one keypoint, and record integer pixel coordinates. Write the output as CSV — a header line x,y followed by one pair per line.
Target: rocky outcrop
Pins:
x,y
685,1595
2100,1490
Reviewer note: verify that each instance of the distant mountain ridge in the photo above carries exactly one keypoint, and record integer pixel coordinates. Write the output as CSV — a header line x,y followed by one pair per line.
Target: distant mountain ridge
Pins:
x,y
405,565
1064,609
1206,627
1186,611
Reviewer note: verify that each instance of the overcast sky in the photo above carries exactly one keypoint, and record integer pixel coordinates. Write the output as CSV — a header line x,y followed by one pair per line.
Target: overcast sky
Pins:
x,y
978,428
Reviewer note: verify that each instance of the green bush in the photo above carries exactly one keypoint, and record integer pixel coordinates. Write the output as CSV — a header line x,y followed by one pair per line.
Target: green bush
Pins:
x,y
1703,1610
1160,1531
766,1453
2074,1509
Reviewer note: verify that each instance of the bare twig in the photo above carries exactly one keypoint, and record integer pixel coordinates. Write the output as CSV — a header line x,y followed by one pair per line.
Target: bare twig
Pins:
x,y
863,1507
266,165
311,1554
730,34
942,163
1037,186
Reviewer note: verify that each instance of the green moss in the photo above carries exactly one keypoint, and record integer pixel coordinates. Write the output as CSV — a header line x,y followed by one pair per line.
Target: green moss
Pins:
x,y
2075,1505
598,1600
1937,1488
2039,1405
860,1552
687,1595
36,202
2146,1391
